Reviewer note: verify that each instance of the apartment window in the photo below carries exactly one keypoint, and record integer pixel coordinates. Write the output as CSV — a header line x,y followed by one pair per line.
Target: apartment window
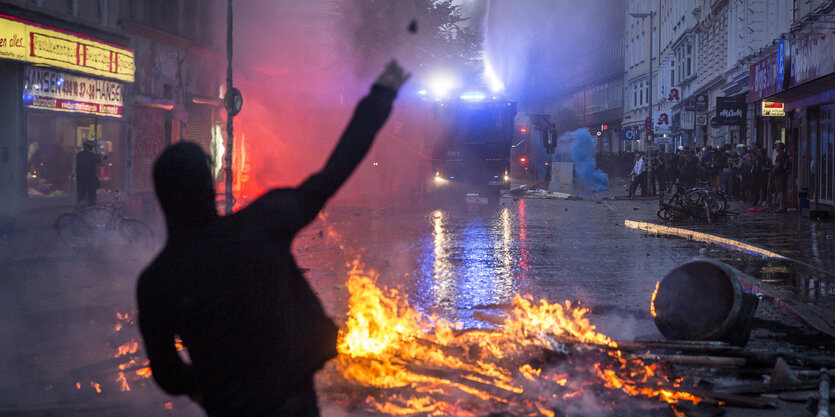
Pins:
x,y
672,73
103,12
688,56
634,95
642,94
72,8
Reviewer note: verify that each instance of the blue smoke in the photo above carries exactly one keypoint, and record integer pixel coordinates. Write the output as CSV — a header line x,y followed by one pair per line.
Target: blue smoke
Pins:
x,y
582,153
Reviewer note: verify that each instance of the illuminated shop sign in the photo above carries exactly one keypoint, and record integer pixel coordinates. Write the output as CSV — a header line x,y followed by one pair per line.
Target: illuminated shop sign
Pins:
x,y
44,88
773,109
24,41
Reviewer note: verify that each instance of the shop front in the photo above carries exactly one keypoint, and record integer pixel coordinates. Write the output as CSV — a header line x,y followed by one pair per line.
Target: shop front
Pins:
x,y
795,97
64,90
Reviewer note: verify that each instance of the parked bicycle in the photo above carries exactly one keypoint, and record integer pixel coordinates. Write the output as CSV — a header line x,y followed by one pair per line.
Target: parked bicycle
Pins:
x,y
684,204
82,227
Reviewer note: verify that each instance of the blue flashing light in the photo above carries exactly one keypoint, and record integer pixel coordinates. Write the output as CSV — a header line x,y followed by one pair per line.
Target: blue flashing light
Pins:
x,y
422,92
473,96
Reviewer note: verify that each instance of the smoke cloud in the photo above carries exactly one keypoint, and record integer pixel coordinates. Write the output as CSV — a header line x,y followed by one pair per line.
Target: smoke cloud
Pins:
x,y
582,153
540,48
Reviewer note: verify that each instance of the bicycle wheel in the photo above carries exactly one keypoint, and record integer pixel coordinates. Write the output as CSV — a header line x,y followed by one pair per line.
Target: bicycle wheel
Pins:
x,y
96,216
74,230
716,204
664,214
721,201
136,233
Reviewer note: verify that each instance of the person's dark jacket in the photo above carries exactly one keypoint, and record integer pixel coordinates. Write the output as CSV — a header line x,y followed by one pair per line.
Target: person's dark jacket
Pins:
x,y
230,288
85,169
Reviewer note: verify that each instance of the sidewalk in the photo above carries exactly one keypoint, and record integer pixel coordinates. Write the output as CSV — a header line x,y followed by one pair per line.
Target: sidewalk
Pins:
x,y
793,262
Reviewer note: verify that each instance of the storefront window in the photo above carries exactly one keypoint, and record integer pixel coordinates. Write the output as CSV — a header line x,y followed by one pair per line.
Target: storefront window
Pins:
x,y
52,143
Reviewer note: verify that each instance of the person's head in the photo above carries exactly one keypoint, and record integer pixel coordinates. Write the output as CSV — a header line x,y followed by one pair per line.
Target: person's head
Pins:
x,y
89,145
780,146
183,183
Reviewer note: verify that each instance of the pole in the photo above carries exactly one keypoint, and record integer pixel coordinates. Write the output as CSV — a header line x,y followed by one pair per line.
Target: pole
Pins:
x,y
230,138
650,134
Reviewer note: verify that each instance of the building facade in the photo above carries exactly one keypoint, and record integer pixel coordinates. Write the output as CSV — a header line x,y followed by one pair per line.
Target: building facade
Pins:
x,y
128,75
737,72
797,77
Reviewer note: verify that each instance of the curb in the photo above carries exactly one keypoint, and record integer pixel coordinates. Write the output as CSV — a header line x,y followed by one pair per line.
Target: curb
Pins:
x,y
812,316
702,237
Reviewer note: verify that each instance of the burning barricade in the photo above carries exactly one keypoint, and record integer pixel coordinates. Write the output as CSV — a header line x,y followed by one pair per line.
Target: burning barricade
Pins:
x,y
541,359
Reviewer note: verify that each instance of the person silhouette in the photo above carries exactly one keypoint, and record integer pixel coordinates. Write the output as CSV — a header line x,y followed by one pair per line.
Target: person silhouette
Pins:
x,y
86,180
229,287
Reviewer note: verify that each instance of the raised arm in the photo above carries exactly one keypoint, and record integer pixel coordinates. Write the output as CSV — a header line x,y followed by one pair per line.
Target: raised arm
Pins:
x,y
300,206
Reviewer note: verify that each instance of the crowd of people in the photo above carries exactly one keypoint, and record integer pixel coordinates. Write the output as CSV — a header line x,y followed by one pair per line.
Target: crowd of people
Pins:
x,y
743,173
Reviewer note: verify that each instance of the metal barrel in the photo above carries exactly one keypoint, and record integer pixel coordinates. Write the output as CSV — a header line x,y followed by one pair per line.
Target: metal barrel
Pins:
x,y
702,300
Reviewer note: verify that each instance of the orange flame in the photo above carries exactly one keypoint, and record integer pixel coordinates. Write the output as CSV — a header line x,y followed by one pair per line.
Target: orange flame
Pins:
x,y
127,349
96,386
612,380
123,381
385,344
652,303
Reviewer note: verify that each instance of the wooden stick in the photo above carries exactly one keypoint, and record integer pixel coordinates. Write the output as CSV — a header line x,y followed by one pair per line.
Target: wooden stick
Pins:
x,y
806,374
694,345
731,399
769,388
715,361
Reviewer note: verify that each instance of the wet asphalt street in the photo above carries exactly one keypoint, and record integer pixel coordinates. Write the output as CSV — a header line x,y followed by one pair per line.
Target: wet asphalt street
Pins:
x,y
59,306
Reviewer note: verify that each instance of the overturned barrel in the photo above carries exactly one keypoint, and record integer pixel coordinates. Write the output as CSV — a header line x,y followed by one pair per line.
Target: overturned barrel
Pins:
x,y
702,300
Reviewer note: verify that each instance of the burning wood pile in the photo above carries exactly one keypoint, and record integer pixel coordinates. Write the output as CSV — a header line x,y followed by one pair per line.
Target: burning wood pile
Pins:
x,y
542,359
533,359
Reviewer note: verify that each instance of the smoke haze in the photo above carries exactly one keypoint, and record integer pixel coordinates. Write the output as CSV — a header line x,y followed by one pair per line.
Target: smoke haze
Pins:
x,y
539,48
582,153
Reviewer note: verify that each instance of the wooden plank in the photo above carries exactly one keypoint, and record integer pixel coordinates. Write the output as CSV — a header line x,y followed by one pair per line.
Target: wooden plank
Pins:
x,y
698,360
769,388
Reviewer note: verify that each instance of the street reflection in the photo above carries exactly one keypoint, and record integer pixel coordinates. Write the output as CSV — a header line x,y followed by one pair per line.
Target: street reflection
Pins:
x,y
469,262
442,271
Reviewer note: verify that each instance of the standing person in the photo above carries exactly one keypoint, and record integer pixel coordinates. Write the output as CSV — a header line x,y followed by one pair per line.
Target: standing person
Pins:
x,y
661,172
779,176
671,165
651,165
759,172
86,180
230,288
639,176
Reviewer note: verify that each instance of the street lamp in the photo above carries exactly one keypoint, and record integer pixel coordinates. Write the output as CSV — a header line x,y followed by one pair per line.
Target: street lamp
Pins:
x,y
642,16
